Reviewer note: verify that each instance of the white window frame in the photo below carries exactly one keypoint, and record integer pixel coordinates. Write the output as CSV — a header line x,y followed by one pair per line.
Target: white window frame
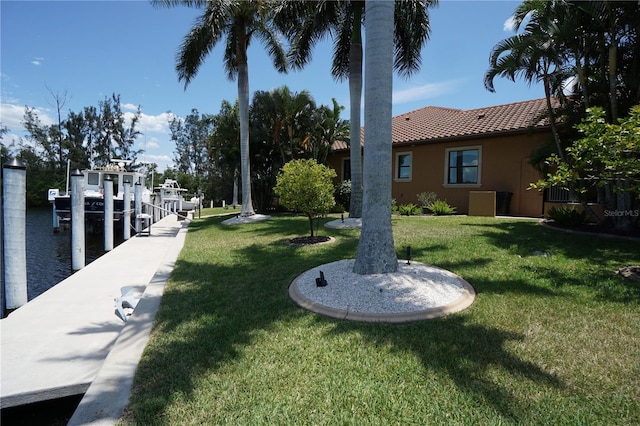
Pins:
x,y
396,172
446,183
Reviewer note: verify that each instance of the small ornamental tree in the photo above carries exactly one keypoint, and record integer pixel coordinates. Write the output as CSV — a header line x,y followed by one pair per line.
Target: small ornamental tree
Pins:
x,y
607,157
306,186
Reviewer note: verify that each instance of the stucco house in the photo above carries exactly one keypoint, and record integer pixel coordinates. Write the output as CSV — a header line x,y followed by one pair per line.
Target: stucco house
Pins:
x,y
471,158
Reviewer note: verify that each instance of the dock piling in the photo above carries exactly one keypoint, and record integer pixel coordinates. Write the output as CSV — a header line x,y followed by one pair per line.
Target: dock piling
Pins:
x,y
126,214
14,205
77,220
108,212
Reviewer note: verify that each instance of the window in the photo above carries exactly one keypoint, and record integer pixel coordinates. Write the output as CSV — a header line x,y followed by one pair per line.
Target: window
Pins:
x,y
93,179
346,169
463,166
403,166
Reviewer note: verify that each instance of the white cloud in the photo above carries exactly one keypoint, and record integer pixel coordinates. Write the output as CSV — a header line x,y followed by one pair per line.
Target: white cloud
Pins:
x,y
426,91
12,116
158,158
130,107
162,160
570,84
155,123
11,140
150,143
37,61
509,25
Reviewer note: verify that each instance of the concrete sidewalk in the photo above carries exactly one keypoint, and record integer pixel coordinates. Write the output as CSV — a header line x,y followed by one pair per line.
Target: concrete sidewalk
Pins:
x,y
71,336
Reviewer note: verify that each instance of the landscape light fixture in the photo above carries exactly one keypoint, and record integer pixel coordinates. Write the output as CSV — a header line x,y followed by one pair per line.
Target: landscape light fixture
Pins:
x,y
408,255
321,282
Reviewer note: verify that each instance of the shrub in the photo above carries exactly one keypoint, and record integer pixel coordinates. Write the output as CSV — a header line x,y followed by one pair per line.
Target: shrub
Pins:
x,y
426,198
567,216
394,206
409,209
305,185
441,207
342,194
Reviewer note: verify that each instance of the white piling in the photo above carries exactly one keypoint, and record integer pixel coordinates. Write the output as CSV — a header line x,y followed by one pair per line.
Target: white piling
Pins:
x,y
223,203
14,225
126,214
77,220
107,186
137,206
156,211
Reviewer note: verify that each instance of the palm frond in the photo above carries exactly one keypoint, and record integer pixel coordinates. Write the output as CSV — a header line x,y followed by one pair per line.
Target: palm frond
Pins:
x,y
196,45
342,45
412,30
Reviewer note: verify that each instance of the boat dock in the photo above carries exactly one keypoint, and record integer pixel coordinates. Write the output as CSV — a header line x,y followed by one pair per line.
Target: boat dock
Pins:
x,y
56,345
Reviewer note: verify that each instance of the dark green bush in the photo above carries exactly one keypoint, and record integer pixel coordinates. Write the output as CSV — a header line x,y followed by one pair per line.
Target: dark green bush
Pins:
x,y
342,194
567,216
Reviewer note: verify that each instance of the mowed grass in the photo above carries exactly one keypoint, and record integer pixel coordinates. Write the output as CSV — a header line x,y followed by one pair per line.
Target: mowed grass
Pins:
x,y
549,340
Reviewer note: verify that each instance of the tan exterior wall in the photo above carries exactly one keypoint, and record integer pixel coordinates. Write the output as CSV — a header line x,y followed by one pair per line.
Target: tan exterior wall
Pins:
x,y
503,168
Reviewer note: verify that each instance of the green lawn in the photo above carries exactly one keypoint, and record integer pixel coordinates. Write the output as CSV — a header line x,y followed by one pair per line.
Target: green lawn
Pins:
x,y
549,340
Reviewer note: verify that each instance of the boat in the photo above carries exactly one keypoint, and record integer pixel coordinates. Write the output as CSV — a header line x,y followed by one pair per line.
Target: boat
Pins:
x,y
171,193
94,194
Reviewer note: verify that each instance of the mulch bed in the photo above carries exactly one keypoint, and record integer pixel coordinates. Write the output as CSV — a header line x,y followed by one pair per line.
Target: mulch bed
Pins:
x,y
305,241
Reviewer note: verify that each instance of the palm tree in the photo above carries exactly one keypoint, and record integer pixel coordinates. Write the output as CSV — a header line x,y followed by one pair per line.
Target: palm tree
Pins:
x,y
306,23
376,251
292,106
534,55
240,21
224,145
280,112
329,129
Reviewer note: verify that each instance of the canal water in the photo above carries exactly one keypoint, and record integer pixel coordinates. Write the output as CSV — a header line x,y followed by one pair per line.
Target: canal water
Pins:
x,y
49,253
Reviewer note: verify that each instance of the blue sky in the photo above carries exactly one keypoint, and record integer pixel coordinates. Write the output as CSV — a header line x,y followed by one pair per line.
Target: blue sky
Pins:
x,y
91,49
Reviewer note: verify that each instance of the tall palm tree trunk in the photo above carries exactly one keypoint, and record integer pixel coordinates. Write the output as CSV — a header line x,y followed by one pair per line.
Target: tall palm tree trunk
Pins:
x,y
355,95
245,170
355,98
234,202
552,118
376,251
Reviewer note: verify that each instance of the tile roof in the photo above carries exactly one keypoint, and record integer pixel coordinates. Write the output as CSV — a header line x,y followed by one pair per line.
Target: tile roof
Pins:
x,y
431,124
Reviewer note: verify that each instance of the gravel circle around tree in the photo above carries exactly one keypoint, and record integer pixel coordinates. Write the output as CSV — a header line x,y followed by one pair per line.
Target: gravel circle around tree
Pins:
x,y
415,292
239,219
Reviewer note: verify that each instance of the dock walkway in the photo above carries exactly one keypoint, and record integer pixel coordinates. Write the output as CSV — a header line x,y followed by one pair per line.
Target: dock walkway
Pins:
x,y
56,345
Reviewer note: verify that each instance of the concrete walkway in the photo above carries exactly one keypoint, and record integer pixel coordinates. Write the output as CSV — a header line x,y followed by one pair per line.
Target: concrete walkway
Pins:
x,y
71,336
